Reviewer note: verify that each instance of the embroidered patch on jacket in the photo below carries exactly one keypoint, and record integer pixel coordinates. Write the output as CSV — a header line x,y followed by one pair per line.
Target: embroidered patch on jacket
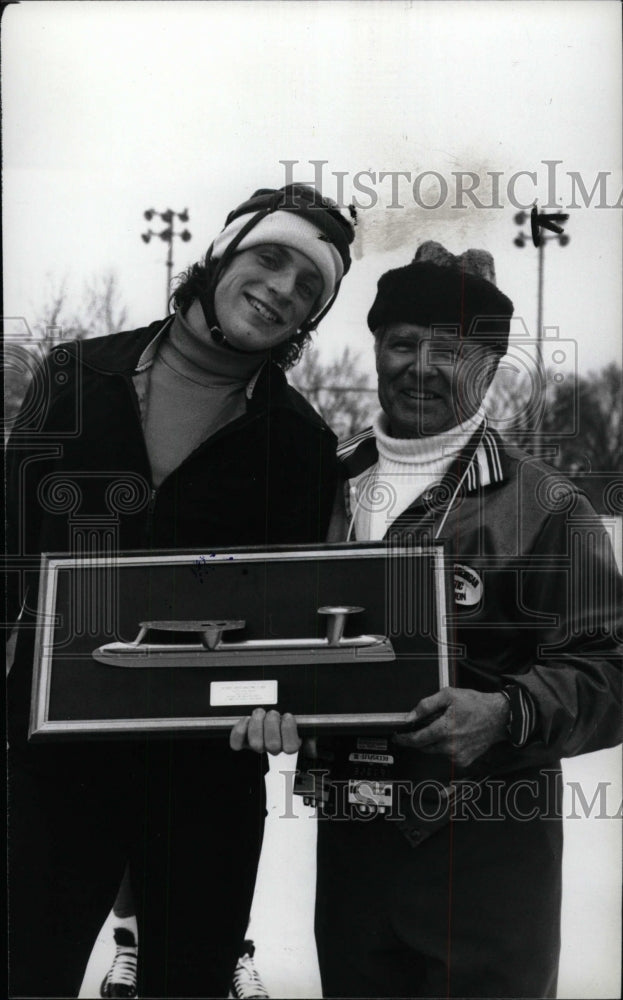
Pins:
x,y
468,586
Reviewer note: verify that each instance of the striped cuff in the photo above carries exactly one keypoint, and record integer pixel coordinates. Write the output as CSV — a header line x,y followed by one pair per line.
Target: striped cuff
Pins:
x,y
522,721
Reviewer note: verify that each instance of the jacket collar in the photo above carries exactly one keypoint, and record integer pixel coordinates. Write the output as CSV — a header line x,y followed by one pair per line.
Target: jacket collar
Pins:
x,y
482,462
486,459
131,353
120,353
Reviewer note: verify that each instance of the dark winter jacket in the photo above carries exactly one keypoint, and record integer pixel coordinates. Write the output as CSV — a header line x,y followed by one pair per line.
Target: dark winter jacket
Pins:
x,y
77,460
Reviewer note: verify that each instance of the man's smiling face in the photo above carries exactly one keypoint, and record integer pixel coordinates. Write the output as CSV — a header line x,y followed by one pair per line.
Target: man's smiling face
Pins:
x,y
265,295
429,382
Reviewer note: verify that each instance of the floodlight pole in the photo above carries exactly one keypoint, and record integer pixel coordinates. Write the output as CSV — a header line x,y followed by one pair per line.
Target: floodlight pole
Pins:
x,y
541,221
168,235
539,317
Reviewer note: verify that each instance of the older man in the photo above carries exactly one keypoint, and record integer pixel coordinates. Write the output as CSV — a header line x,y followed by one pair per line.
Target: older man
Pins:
x,y
191,423
456,890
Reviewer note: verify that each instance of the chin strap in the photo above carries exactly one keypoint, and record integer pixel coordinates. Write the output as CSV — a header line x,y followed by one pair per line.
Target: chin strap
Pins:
x,y
207,299
218,336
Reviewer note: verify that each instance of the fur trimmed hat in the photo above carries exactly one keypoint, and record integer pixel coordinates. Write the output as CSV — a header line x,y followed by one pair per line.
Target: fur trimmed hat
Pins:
x,y
439,289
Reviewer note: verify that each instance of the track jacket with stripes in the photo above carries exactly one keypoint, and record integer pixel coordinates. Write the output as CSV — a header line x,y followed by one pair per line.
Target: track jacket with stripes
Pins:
x,y
538,597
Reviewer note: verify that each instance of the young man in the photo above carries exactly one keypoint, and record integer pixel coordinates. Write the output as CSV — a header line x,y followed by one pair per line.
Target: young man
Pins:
x,y
189,437
457,893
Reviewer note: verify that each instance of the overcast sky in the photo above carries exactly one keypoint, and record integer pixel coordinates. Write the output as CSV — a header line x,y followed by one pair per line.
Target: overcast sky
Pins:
x,y
113,108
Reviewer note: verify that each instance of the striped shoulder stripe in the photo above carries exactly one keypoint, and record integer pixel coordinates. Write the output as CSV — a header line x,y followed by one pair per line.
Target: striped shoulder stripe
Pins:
x,y
350,445
358,456
493,453
488,460
472,476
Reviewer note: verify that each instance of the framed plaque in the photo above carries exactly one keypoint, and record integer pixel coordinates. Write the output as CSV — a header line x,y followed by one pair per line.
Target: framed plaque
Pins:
x,y
348,635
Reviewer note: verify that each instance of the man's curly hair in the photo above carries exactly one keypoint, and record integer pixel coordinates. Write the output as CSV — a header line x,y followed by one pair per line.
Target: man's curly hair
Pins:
x,y
197,280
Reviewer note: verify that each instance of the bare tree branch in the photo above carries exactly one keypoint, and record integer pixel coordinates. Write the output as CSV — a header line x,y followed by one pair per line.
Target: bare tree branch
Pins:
x,y
339,390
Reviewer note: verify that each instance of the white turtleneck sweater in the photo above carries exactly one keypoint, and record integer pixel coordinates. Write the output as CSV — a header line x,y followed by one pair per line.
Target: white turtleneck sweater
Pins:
x,y
195,388
406,468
